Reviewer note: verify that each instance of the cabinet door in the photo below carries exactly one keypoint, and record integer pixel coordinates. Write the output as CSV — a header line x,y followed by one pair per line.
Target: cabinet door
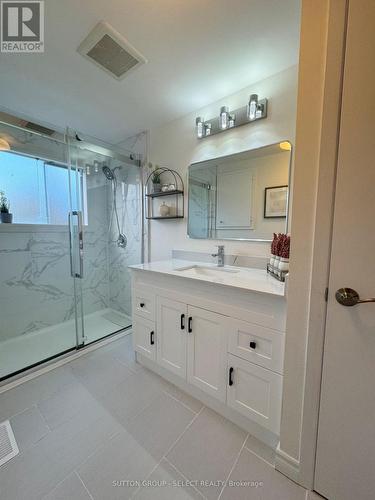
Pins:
x,y
144,337
171,325
255,392
207,351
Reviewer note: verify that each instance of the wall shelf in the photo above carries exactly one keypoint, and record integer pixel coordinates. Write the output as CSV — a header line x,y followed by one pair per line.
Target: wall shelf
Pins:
x,y
165,193
166,217
173,200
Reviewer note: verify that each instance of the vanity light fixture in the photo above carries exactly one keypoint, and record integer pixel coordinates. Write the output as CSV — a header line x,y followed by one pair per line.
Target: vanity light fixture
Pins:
x,y
96,166
255,109
207,129
199,125
252,107
224,117
88,169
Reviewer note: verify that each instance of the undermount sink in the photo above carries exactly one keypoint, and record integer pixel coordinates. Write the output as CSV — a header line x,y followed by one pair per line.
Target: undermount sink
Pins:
x,y
199,270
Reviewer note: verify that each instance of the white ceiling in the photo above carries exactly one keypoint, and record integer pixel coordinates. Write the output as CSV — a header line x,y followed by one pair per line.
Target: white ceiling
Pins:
x,y
198,52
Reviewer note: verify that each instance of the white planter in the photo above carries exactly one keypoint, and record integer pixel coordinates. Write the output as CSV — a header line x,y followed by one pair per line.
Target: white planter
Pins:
x,y
284,264
277,262
272,259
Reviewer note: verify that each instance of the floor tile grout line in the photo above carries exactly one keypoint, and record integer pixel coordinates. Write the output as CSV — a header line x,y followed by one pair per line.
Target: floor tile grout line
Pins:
x,y
186,478
98,448
260,457
83,484
169,449
179,401
33,405
233,466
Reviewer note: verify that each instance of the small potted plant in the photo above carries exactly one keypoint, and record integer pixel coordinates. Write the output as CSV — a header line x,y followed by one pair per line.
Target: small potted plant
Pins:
x,y
5,216
155,178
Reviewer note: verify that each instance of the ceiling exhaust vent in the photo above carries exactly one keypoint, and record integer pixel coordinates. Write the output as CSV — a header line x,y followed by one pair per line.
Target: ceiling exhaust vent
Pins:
x,y
106,48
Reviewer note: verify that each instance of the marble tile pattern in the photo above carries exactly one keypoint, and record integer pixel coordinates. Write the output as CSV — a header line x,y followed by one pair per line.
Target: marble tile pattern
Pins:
x,y
129,205
145,440
36,288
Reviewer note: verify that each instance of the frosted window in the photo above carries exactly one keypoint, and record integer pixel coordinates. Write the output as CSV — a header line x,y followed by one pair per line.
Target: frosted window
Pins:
x,y
38,191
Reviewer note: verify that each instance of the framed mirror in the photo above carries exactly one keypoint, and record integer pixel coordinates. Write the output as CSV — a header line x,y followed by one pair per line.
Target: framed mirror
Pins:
x,y
244,196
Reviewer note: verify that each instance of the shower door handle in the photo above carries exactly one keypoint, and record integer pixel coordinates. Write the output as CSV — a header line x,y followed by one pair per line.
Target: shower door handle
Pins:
x,y
78,214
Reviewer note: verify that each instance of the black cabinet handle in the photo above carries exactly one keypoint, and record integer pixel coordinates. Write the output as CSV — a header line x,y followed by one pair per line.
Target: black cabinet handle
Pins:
x,y
142,304
182,321
190,329
253,344
231,370
152,341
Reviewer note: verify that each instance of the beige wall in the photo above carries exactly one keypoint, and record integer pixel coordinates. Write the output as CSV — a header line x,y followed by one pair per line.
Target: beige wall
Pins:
x,y
175,145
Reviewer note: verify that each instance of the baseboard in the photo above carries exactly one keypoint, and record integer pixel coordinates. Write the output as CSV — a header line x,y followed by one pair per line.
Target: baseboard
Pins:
x,y
287,465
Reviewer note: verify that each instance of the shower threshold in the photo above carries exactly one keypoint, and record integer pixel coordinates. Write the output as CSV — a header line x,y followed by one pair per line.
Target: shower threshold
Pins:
x,y
32,348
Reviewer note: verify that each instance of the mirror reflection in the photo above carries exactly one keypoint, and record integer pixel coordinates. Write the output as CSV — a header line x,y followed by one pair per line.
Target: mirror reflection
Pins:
x,y
241,196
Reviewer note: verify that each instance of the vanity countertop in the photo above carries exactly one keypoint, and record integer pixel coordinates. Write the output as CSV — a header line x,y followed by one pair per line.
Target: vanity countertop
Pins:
x,y
256,280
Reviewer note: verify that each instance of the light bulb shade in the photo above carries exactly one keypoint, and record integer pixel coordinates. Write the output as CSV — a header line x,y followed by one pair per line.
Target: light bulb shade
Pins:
x,y
224,117
199,126
4,145
207,129
252,107
232,120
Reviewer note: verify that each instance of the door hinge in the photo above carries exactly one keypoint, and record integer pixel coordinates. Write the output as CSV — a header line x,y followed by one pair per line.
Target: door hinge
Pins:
x,y
326,294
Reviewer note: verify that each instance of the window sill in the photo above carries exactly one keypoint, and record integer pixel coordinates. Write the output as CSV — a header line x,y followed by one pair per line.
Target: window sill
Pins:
x,y
32,228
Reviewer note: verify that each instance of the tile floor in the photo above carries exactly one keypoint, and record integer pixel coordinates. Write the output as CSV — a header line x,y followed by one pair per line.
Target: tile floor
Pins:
x,y
100,425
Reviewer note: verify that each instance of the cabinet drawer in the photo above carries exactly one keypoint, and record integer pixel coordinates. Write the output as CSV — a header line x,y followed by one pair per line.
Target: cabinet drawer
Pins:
x,y
144,337
256,344
255,392
144,303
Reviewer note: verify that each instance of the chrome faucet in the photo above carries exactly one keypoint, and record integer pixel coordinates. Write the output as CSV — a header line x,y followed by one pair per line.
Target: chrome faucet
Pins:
x,y
219,255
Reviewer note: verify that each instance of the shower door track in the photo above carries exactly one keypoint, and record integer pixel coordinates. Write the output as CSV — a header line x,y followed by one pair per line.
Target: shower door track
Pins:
x,y
72,350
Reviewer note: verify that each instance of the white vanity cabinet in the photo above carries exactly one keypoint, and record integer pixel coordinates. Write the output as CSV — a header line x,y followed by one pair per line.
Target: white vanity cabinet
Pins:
x,y
223,345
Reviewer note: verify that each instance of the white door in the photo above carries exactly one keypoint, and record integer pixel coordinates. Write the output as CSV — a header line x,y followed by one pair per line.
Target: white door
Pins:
x,y
207,350
144,337
345,462
171,326
255,392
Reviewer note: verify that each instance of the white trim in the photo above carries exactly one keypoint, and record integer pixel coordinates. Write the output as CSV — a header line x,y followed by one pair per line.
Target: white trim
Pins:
x,y
287,465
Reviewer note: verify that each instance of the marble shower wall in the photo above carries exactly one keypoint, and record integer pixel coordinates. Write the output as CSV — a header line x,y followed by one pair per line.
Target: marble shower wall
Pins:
x,y
36,288
129,204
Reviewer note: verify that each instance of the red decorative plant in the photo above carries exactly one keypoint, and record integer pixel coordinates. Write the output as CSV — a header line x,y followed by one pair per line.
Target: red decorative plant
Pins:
x,y
280,245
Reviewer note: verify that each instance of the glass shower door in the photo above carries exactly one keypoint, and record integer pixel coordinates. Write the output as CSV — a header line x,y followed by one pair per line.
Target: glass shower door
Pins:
x,y
108,211
37,292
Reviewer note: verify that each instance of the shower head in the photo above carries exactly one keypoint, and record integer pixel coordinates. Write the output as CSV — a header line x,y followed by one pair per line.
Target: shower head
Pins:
x,y
108,173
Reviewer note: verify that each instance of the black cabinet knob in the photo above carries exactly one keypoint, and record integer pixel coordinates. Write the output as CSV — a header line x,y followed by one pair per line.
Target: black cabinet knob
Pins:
x,y
142,304
253,344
